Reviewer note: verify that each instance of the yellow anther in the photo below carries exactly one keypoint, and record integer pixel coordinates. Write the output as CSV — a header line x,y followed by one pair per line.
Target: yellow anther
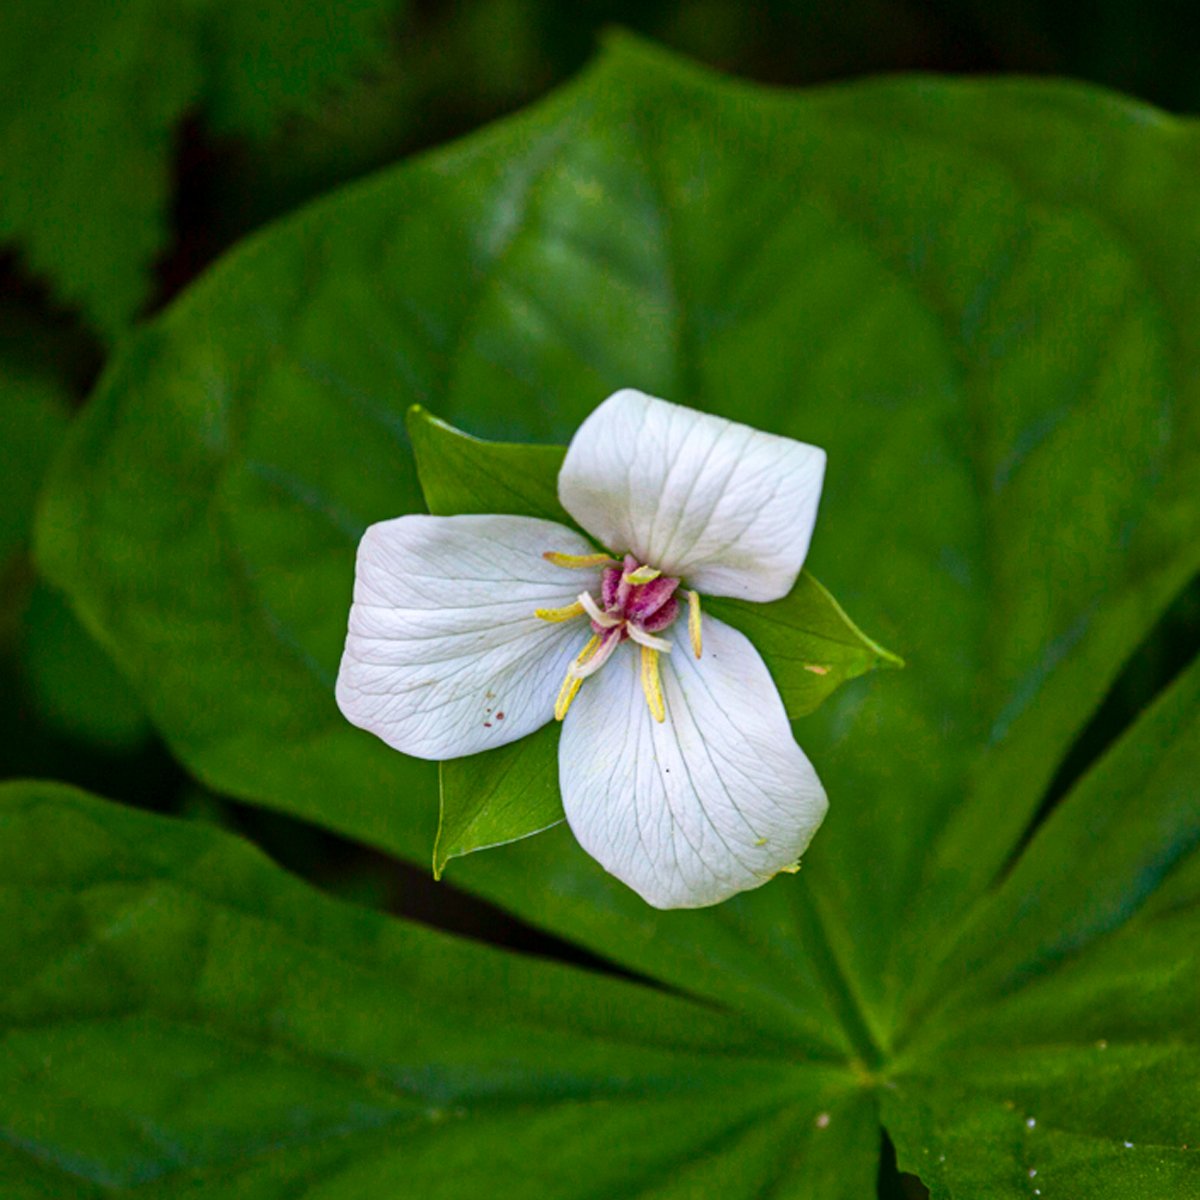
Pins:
x,y
576,561
570,686
559,614
641,575
572,683
816,669
791,869
694,621
652,684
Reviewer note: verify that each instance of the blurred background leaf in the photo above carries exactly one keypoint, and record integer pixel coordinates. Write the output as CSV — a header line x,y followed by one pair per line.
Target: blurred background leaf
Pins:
x,y
59,689
34,412
74,687
92,93
140,139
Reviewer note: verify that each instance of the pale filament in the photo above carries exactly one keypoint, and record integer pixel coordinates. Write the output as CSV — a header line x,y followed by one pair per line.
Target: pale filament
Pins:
x,y
596,656
648,640
636,602
588,602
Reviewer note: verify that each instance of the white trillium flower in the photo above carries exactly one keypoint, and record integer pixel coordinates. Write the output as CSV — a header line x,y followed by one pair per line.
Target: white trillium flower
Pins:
x,y
677,764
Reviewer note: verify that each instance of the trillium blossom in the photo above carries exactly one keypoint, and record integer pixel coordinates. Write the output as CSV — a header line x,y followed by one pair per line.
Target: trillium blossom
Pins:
x,y
678,769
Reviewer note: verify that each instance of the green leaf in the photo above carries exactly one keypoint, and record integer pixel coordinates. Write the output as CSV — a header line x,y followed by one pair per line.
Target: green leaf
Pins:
x,y
464,474
91,94
1131,830
808,642
182,1017
1061,1033
497,797
878,269
966,1132
811,646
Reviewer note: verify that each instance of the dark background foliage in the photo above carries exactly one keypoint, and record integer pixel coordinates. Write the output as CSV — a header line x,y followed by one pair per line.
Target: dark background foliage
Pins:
x,y
438,71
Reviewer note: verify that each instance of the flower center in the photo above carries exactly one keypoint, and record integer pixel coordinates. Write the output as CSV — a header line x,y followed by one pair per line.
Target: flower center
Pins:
x,y
636,602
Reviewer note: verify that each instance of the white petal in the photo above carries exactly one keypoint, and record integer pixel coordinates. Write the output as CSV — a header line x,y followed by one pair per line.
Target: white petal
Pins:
x,y
715,800
444,656
727,508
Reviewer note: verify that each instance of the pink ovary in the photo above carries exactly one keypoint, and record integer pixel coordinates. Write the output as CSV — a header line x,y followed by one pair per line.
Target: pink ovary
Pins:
x,y
649,607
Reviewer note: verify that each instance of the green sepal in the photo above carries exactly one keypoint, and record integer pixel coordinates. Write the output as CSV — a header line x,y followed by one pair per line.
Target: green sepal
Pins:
x,y
806,639
464,474
498,796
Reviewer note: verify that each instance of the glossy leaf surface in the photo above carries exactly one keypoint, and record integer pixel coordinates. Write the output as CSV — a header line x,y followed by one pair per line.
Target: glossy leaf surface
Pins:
x,y
181,1017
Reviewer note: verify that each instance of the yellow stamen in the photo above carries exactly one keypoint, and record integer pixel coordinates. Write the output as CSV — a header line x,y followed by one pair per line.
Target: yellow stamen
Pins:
x,y
572,683
694,621
559,614
576,561
792,869
652,684
641,575
815,669
570,687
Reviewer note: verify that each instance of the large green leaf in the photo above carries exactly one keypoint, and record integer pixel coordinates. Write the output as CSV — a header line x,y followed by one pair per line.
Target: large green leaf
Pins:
x,y
978,297
808,642
90,97
181,1017
1058,1045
